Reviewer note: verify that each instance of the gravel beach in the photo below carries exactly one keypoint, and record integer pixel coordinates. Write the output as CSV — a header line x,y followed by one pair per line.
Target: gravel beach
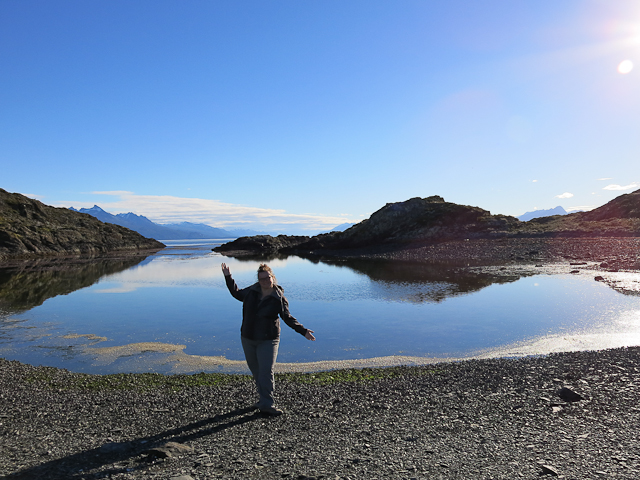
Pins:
x,y
475,419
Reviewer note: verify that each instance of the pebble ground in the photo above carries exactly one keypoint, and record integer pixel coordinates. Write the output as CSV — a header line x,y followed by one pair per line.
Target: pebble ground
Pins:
x,y
476,419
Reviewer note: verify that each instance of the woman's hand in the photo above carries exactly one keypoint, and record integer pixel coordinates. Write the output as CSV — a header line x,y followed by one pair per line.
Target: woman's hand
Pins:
x,y
309,335
226,270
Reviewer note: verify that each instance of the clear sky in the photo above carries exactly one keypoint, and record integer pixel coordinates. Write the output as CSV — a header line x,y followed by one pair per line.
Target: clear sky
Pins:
x,y
299,115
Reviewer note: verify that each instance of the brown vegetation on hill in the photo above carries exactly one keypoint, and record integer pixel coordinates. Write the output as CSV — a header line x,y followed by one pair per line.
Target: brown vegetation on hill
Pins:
x,y
30,228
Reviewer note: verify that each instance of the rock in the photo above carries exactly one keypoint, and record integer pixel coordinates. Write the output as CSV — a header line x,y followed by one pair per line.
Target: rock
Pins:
x,y
169,449
549,470
599,278
569,395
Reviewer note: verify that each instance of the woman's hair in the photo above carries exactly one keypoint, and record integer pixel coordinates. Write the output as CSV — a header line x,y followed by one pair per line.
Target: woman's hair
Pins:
x,y
266,268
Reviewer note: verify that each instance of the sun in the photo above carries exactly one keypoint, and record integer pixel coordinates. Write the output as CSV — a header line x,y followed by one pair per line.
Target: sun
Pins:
x,y
625,67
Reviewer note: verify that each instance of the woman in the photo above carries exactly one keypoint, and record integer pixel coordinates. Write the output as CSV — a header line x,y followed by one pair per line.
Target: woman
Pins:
x,y
262,302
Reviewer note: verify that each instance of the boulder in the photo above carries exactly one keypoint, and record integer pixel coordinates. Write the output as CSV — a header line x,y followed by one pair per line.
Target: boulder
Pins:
x,y
169,449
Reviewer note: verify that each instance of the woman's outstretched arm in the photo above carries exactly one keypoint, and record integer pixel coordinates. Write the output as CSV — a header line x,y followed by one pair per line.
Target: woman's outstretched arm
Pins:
x,y
231,284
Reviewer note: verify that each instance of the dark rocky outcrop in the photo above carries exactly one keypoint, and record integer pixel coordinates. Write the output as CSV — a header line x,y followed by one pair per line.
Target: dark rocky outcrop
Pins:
x,y
30,228
427,221
420,220
262,243
415,221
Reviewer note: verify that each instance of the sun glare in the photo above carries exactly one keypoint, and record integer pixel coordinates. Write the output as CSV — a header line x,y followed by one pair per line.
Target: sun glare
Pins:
x,y
625,67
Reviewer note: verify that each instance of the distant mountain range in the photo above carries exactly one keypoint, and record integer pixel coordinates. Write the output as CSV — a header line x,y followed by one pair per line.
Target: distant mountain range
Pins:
x,y
172,231
342,227
542,213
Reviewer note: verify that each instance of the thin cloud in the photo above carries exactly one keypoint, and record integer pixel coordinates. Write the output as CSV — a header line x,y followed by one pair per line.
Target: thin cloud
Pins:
x,y
34,196
169,209
631,186
565,195
114,193
583,208
603,179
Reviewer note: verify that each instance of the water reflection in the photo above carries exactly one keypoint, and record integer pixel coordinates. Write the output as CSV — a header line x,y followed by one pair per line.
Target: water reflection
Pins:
x,y
27,284
422,281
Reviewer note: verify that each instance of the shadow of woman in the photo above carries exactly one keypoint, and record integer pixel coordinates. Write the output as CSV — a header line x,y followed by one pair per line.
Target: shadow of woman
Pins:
x,y
77,465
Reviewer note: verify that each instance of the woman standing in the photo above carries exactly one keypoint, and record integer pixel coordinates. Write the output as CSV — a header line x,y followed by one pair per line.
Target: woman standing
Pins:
x,y
262,302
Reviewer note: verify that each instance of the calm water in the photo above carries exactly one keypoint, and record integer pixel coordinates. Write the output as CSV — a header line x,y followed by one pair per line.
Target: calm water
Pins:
x,y
171,312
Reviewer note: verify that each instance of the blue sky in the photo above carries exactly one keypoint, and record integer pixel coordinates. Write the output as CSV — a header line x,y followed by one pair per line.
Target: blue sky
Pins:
x,y
296,116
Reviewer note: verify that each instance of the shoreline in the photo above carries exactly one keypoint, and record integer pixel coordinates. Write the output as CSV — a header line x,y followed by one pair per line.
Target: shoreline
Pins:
x,y
492,418
609,253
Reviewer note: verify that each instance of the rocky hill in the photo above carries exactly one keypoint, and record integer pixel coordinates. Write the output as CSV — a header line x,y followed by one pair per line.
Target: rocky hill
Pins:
x,y
30,228
418,220
618,218
423,221
625,206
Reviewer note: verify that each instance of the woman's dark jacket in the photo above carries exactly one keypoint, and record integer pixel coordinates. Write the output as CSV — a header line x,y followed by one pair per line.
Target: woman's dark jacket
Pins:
x,y
260,317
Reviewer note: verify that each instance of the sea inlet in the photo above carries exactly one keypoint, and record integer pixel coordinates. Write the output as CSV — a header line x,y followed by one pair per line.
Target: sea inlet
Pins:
x,y
171,312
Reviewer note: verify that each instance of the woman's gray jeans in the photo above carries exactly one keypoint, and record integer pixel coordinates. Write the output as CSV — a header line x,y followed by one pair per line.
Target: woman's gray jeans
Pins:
x,y
261,358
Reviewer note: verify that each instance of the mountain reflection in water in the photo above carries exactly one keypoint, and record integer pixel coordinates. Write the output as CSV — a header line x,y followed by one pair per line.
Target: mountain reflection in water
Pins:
x,y
27,284
426,282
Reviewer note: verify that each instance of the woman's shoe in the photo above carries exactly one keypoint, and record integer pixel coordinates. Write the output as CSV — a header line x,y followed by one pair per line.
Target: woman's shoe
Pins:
x,y
273,411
